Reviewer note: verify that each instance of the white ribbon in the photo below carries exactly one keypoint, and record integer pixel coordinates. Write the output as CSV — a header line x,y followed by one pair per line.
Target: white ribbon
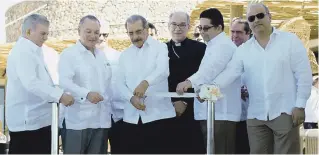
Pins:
x,y
171,94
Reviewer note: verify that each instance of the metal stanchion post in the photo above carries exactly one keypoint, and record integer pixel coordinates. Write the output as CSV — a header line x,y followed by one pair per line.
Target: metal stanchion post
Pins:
x,y
55,129
4,138
210,127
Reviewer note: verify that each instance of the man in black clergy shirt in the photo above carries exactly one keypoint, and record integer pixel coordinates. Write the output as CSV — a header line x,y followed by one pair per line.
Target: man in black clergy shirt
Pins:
x,y
185,57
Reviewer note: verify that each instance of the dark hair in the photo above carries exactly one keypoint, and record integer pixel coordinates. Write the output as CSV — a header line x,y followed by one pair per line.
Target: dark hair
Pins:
x,y
4,73
135,18
151,26
215,16
315,80
242,21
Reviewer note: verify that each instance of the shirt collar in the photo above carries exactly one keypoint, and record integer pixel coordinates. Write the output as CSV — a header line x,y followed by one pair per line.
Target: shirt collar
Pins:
x,y
184,42
216,38
82,48
31,44
274,33
147,42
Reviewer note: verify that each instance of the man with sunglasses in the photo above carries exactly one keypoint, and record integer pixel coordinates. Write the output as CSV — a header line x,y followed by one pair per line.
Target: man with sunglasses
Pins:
x,y
278,77
218,53
144,69
185,57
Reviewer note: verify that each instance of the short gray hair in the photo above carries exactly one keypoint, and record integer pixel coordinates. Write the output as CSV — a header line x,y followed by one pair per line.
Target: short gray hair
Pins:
x,y
187,16
31,21
135,18
91,17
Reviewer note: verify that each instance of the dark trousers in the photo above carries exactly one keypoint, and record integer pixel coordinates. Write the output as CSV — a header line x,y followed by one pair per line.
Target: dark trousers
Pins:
x,y
224,136
116,137
242,143
31,142
307,125
148,138
62,132
186,136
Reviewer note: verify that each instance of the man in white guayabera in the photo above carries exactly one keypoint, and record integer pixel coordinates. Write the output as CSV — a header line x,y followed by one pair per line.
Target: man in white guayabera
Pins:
x,y
219,52
143,68
86,73
31,90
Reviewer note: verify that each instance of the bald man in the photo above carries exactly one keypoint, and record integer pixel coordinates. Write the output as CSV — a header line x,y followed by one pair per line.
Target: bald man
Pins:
x,y
278,77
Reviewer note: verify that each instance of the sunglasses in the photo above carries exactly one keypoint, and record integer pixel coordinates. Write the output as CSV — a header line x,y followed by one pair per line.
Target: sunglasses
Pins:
x,y
259,16
104,35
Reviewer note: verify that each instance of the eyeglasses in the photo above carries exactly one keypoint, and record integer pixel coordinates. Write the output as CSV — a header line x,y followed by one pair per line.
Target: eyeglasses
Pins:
x,y
104,35
259,16
180,26
205,28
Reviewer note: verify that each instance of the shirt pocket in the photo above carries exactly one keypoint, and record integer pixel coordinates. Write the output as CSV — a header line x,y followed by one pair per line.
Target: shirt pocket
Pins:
x,y
83,74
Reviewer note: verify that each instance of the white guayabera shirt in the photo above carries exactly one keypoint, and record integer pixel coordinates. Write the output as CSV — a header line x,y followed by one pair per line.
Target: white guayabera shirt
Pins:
x,y
30,88
219,52
80,72
148,63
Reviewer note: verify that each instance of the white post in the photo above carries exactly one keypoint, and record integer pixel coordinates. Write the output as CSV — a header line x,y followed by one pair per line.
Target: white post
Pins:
x,y
210,127
55,129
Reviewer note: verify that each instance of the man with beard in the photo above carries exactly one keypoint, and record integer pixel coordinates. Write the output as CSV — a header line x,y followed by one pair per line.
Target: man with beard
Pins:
x,y
144,69
185,57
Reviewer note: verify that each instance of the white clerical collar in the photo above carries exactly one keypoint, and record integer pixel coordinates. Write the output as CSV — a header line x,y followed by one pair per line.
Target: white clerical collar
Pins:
x,y
178,44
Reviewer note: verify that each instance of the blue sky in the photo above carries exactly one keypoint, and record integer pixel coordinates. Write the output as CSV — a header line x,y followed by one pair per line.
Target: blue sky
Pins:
x,y
5,4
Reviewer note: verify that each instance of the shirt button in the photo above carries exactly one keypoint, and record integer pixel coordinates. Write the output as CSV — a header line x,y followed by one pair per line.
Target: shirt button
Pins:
x,y
81,98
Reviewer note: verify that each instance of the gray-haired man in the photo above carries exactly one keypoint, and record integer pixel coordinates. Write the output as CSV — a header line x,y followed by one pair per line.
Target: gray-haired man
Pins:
x,y
143,68
86,73
30,90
